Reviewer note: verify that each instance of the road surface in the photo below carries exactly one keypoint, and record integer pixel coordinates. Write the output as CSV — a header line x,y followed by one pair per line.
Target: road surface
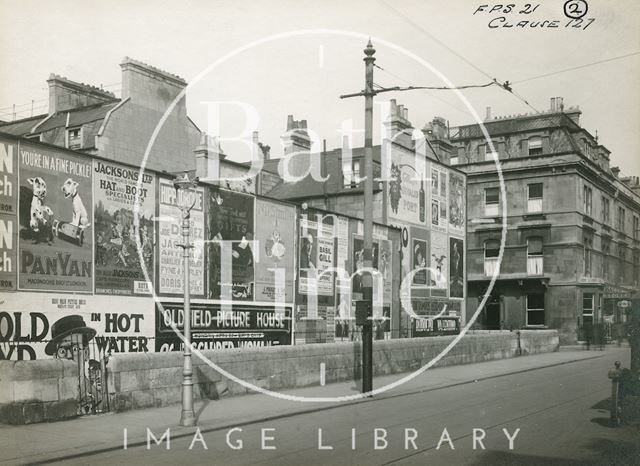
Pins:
x,y
554,415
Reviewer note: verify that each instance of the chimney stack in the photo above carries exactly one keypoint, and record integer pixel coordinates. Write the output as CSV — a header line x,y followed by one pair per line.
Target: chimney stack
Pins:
x,y
296,143
208,154
65,94
398,126
296,138
488,115
150,87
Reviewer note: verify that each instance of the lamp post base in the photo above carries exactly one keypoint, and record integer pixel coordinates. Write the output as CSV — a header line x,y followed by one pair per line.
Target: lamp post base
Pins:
x,y
187,419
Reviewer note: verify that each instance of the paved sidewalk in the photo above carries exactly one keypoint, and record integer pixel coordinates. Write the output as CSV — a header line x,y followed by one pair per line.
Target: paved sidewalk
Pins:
x,y
42,442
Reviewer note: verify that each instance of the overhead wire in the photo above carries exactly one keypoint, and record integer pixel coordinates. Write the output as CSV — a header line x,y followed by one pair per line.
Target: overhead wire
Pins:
x,y
566,70
506,85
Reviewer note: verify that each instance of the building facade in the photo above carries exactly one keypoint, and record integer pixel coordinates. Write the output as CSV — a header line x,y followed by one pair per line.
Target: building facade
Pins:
x,y
88,235
572,239
417,192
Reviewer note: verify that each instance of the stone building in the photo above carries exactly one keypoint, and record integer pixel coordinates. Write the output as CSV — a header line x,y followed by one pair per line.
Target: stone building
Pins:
x,y
572,245
88,119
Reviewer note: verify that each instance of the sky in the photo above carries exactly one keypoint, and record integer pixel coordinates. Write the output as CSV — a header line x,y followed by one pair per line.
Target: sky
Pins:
x,y
283,57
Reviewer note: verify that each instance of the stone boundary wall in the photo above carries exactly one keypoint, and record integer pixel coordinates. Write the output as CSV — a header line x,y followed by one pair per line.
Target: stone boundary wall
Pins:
x,y
154,379
47,390
38,391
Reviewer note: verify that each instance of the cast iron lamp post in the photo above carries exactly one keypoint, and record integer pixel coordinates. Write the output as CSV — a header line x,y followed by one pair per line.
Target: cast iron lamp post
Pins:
x,y
186,185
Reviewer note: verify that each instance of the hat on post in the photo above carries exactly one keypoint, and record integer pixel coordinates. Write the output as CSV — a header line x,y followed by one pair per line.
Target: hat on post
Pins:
x,y
65,326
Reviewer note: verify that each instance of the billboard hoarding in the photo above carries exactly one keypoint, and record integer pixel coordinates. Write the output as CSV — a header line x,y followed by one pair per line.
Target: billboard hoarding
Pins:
x,y
231,219
8,216
170,262
456,268
275,231
118,267
56,220
242,326
27,320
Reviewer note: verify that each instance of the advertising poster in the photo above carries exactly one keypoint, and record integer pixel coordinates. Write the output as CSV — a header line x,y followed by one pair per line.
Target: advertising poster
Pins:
x,y
231,219
439,264
275,230
358,263
406,251
438,199
170,270
456,202
315,256
407,195
456,268
342,236
385,267
212,328
343,286
8,215
419,251
56,220
109,323
118,268
228,173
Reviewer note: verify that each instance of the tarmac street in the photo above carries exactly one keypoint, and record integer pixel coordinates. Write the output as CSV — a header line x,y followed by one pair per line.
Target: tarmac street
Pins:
x,y
544,409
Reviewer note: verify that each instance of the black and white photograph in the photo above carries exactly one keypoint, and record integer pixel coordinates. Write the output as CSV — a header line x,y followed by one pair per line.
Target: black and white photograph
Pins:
x,y
189,190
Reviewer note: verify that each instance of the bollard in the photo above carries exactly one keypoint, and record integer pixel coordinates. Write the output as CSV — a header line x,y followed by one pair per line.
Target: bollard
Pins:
x,y
614,375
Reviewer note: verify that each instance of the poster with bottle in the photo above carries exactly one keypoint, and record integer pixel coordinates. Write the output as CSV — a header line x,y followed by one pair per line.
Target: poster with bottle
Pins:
x,y
407,191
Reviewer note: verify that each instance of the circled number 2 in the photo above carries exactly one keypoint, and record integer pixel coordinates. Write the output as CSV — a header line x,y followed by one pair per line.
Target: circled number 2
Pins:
x,y
575,8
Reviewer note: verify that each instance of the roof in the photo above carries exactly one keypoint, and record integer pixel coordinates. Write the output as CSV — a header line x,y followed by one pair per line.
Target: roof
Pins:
x,y
309,187
21,127
77,117
515,124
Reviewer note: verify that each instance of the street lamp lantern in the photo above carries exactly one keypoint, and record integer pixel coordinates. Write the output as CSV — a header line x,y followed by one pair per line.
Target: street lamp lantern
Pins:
x,y
185,186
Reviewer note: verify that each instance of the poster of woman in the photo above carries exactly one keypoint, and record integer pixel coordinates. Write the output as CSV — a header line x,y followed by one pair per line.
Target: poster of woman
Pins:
x,y
456,268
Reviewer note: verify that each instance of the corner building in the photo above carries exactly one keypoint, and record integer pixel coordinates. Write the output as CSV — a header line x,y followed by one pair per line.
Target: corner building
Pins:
x,y
572,249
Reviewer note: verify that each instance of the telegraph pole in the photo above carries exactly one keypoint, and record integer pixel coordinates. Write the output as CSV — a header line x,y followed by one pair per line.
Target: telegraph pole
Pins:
x,y
367,279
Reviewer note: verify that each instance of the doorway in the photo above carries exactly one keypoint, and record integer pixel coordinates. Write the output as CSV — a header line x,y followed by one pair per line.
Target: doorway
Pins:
x,y
492,313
